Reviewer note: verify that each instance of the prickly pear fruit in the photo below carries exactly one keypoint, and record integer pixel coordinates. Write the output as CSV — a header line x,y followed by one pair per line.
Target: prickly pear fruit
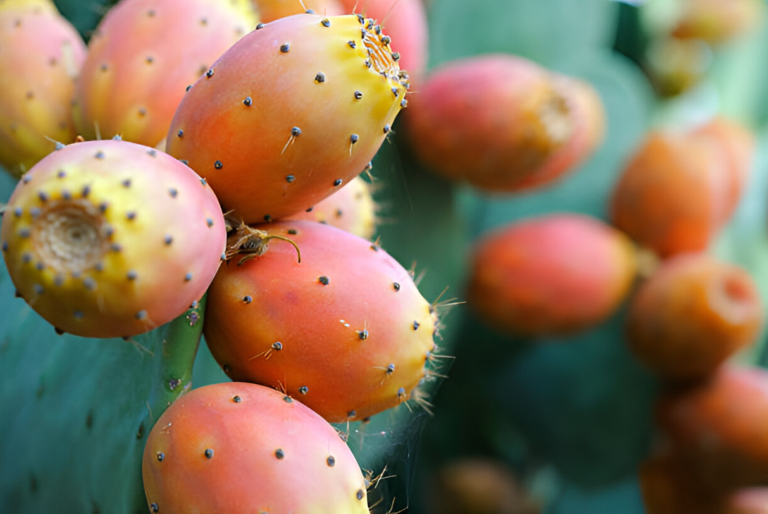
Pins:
x,y
555,274
718,427
111,239
351,208
345,330
143,56
692,314
36,85
319,94
405,21
671,197
271,10
237,447
678,190
716,21
503,123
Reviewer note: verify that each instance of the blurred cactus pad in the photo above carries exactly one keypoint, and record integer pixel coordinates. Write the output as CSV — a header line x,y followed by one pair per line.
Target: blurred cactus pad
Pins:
x,y
571,415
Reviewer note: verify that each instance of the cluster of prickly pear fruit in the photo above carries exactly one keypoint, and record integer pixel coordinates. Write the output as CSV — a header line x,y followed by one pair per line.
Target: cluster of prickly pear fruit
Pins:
x,y
111,238
530,150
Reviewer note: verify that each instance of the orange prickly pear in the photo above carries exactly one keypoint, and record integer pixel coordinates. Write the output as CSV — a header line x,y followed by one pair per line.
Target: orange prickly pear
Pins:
x,y
143,56
555,274
318,93
237,447
36,85
679,189
718,426
691,315
111,239
345,330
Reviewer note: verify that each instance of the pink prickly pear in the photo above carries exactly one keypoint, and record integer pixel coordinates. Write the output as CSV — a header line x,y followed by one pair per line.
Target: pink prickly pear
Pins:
x,y
35,85
346,329
290,113
111,239
237,447
143,56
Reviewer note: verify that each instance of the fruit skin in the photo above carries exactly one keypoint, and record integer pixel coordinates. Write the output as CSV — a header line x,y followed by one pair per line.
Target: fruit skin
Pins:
x,y
503,123
406,22
143,56
236,447
692,314
111,239
35,85
271,10
337,337
669,197
351,208
314,134
550,275
719,427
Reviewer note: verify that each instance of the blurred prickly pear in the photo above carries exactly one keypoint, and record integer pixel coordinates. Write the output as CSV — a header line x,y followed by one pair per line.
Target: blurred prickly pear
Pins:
x,y
36,85
345,330
351,208
679,189
143,56
555,274
503,123
318,93
111,239
237,447
692,314
717,427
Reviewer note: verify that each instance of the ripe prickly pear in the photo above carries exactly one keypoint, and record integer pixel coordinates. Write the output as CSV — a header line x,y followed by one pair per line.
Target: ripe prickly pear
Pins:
x,y
718,426
238,447
555,274
691,315
503,123
351,208
111,239
271,10
678,190
405,21
35,85
290,113
143,56
345,330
